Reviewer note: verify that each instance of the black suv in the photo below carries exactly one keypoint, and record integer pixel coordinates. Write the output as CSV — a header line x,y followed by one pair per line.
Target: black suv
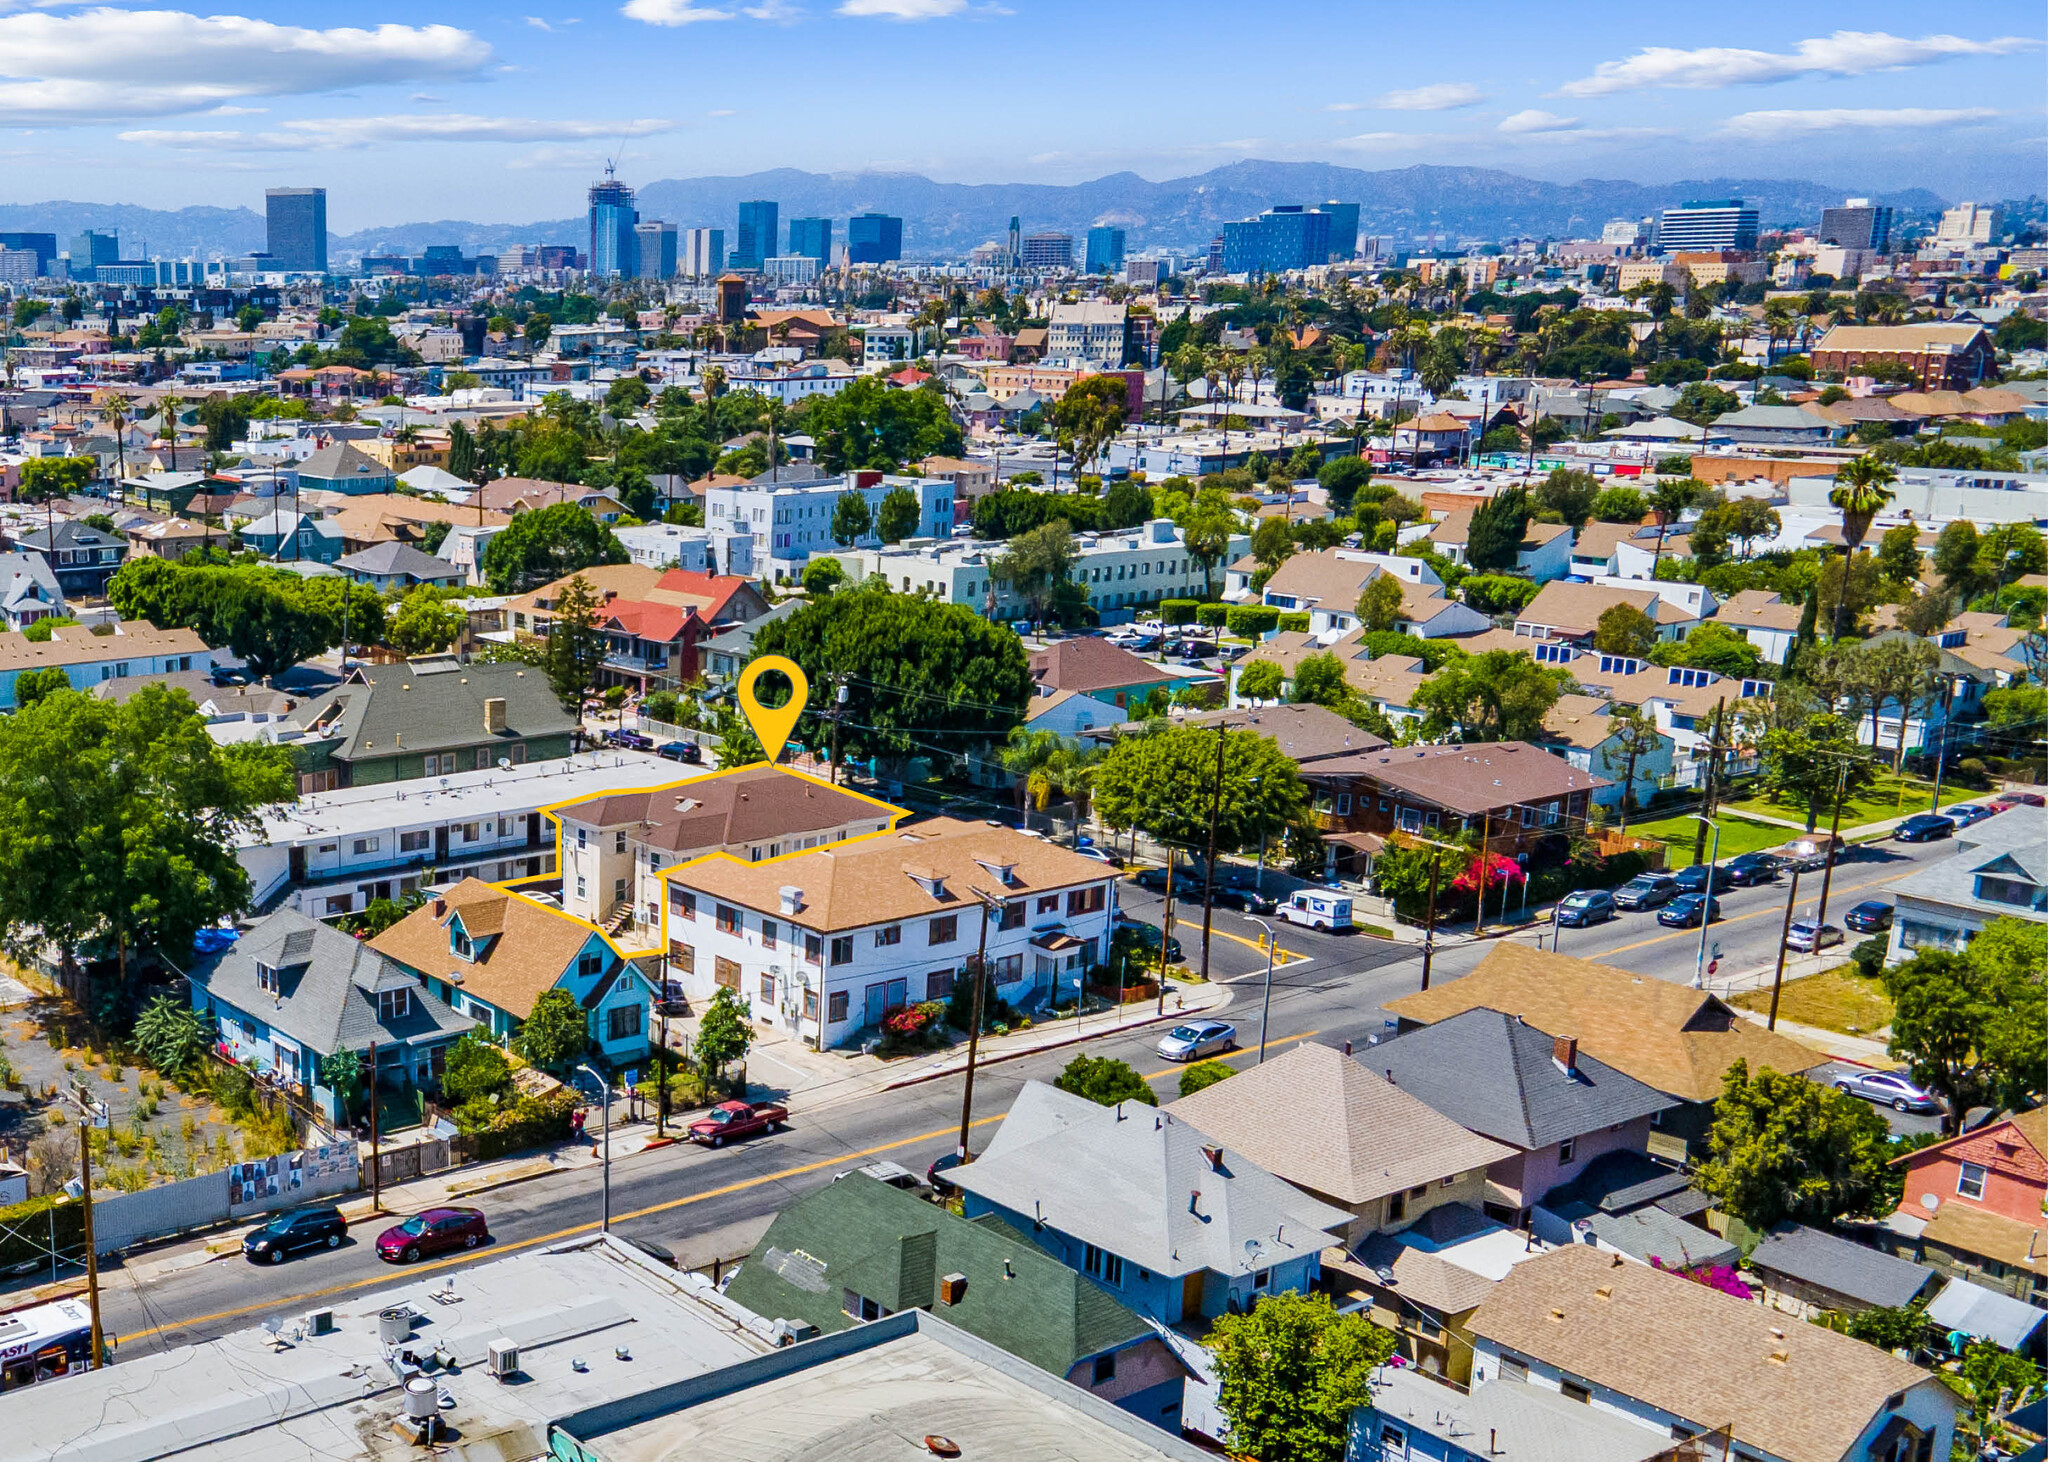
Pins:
x,y
304,1228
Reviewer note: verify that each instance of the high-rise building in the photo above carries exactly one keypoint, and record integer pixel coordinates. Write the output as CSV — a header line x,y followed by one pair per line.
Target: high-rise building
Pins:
x,y
1623,231
1286,236
874,238
1857,224
1046,251
703,253
756,238
655,244
296,225
43,246
613,217
811,238
90,250
1343,227
1710,223
1971,223
1105,249
1016,244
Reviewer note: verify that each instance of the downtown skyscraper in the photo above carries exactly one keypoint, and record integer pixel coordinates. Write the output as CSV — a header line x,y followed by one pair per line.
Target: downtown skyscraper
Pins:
x,y
296,228
613,249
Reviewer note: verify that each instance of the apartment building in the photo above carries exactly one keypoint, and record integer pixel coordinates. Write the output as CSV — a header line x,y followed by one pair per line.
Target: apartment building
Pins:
x,y
1094,332
825,944
132,647
332,853
619,844
1122,571
792,520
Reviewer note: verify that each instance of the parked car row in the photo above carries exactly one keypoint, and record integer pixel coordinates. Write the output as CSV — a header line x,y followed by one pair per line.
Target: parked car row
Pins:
x,y
1682,902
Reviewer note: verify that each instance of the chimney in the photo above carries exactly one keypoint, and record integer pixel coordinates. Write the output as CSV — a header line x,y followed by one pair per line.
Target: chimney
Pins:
x,y
952,1288
440,907
1564,1050
494,715
1214,1155
792,900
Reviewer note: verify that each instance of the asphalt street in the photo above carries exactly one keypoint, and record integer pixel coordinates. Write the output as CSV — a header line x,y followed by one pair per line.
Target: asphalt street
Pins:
x,y
1332,990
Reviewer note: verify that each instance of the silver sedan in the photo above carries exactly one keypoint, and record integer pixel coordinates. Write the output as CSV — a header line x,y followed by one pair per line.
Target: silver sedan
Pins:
x,y
1194,1041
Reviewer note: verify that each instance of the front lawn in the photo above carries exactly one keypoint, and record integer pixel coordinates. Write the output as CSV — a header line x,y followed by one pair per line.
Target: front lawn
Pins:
x,y
1738,835
1837,1000
1892,797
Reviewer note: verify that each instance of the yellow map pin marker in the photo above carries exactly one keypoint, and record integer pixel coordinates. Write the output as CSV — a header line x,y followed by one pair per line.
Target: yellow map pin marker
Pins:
x,y
772,724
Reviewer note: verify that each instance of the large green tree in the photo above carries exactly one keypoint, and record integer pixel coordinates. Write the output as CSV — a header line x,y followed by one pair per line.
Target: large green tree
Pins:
x,y
1810,764
1039,566
1785,1147
1567,496
851,520
897,517
1973,1027
1166,781
118,822
1496,695
45,479
1090,413
576,645
921,677
1494,539
1105,1080
545,544
873,425
555,1033
1292,1373
424,623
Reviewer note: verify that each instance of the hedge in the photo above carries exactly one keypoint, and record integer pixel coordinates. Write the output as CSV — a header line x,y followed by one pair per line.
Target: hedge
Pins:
x,y
1212,616
1294,623
1177,611
25,1232
528,1122
1252,620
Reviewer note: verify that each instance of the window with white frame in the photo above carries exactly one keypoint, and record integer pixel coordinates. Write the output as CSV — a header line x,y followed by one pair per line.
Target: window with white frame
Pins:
x,y
366,845
1970,1180
394,1004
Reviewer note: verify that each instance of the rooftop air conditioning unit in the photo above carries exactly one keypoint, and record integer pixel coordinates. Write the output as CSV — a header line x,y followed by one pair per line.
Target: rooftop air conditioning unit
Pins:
x,y
504,1359
320,1322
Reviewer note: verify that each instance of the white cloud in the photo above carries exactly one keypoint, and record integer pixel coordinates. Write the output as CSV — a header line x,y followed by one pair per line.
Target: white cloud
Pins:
x,y
1769,126
327,134
722,112
104,63
538,24
671,12
903,9
1845,53
1537,120
1442,96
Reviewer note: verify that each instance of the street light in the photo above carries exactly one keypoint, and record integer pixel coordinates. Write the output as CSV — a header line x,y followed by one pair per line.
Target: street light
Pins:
x,y
1266,1010
604,1085
1699,964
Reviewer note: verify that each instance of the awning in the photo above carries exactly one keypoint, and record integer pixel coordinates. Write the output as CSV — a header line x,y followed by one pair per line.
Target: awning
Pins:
x,y
1362,842
1984,1314
1055,943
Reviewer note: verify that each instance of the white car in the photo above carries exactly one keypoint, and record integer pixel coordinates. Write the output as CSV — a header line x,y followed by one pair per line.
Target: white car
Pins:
x,y
1100,855
1194,1041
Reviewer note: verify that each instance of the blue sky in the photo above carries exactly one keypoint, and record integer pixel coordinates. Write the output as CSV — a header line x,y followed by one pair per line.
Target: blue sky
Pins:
x,y
451,109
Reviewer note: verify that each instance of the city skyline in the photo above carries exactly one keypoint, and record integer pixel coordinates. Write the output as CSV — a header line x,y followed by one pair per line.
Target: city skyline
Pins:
x,y
424,114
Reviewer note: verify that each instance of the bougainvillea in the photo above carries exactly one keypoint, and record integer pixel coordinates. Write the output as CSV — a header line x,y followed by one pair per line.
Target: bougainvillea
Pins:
x,y
1713,1276
1489,870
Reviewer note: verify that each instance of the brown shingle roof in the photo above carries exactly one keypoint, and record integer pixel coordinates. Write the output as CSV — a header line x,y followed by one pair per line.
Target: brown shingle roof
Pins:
x,y
530,945
1794,1390
1089,665
1470,779
1321,579
1583,721
869,881
1758,607
1307,733
1989,1235
78,645
725,809
1575,609
1319,1119
1666,1035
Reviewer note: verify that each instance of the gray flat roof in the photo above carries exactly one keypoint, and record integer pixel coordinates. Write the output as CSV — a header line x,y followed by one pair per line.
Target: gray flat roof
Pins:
x,y
874,1393
306,1398
1523,1422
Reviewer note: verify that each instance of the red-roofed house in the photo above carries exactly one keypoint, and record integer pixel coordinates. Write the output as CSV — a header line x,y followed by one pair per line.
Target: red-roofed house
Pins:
x,y
720,599
650,645
1973,1206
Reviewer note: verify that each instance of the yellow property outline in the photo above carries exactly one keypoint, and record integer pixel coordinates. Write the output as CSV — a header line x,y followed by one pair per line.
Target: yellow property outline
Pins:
x,y
553,812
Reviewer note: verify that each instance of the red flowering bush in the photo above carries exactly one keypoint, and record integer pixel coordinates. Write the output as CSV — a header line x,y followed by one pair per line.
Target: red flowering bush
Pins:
x,y
908,1021
1489,870
1713,1276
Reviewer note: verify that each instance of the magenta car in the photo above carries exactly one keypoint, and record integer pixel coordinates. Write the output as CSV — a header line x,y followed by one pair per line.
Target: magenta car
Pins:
x,y
432,1232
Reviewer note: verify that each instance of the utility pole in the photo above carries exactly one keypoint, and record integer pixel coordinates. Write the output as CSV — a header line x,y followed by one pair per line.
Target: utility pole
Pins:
x,y
1165,930
1699,840
1784,933
979,974
1209,870
1429,919
92,1115
839,700
1827,876
661,1075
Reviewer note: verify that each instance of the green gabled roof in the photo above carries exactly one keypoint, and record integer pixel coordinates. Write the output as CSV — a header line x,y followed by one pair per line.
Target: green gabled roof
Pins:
x,y
893,1248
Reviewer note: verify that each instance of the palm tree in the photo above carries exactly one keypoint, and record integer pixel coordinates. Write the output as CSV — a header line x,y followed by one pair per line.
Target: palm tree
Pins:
x,y
1863,485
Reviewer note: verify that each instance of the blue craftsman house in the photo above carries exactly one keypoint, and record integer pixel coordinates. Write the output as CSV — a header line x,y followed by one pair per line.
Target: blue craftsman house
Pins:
x,y
1169,1223
293,991
490,954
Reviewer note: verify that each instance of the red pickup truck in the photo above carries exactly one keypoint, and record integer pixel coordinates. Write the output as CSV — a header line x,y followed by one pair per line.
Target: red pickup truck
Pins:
x,y
729,1120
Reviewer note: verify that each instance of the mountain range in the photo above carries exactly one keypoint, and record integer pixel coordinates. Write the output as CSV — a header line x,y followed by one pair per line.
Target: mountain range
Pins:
x,y
942,220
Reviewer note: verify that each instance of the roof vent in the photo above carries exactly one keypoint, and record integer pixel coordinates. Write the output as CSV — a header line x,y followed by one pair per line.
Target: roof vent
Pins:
x,y
941,1447
792,900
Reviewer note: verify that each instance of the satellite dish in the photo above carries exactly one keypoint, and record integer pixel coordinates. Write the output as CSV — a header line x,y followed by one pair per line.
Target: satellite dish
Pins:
x,y
1929,1202
504,763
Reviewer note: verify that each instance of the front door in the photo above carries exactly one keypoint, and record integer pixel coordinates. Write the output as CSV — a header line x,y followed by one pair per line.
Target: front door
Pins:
x,y
1191,1296
441,844
884,999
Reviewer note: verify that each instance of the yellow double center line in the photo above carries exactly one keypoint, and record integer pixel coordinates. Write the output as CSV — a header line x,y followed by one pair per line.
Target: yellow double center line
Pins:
x,y
1777,912
583,1228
